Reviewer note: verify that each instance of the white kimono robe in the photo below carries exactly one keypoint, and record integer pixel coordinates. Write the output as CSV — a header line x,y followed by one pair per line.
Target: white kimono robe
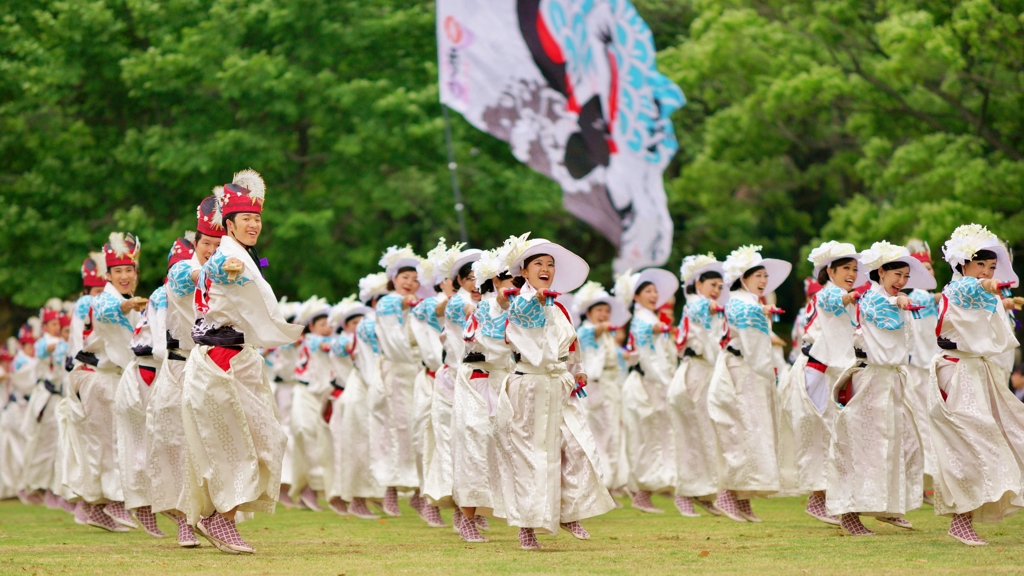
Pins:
x,y
66,445
603,403
234,441
131,400
39,424
330,447
426,328
741,402
165,450
352,445
23,376
805,427
922,350
474,407
282,371
650,446
92,473
977,423
392,457
875,460
314,372
696,452
547,454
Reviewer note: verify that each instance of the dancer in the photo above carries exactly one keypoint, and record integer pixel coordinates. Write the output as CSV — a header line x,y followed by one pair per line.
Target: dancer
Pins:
x,y
602,315
356,483
392,458
701,329
874,464
827,345
923,349
165,451
40,421
438,463
23,375
315,374
281,362
977,424
547,454
650,447
93,474
234,442
741,395
131,399
476,487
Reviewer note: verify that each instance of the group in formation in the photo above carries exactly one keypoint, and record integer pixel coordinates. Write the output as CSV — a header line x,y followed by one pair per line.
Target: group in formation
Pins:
x,y
501,384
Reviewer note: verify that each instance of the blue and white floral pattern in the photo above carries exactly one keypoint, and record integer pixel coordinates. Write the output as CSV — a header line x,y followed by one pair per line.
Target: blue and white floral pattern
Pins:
x,y
107,309
876,310
426,312
587,337
340,344
82,307
367,332
830,299
214,270
455,311
643,333
179,279
526,312
743,314
926,299
159,298
968,294
699,312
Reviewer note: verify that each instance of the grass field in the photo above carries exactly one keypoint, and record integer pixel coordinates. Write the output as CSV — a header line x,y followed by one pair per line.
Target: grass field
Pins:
x,y
34,540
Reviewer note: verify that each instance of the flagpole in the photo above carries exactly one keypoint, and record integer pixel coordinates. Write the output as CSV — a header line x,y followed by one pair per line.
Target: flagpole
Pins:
x,y
460,208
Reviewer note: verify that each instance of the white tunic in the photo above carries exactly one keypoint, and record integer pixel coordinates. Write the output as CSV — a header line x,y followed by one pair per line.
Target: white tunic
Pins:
x,y
603,403
922,351
314,372
39,424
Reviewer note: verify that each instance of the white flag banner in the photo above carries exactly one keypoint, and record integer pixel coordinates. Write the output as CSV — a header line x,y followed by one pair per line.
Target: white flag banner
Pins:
x,y
573,88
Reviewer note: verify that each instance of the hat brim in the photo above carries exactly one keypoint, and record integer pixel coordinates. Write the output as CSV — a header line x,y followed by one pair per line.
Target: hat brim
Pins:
x,y
425,291
571,271
619,316
466,257
920,277
862,273
357,311
1004,269
778,271
392,270
713,266
665,281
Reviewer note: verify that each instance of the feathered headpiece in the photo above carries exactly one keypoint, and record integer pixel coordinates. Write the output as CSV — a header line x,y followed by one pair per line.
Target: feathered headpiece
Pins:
x,y
94,271
697,264
487,267
182,249
919,249
51,310
122,249
208,217
396,258
372,285
245,193
311,309
30,331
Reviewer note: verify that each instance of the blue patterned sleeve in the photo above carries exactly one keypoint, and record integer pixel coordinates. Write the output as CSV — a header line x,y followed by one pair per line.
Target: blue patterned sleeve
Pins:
x,y
41,349
426,312
926,299
159,298
526,312
831,300
82,307
367,332
317,343
179,279
455,311
643,333
490,326
107,309
587,336
699,311
967,293
339,345
214,270
876,310
746,315
391,305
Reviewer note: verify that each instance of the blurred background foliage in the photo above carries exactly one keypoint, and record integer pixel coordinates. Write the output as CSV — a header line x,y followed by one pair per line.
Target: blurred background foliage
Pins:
x,y
853,120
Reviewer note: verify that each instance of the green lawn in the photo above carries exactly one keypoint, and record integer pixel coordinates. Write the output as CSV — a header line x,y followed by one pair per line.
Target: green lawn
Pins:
x,y
34,540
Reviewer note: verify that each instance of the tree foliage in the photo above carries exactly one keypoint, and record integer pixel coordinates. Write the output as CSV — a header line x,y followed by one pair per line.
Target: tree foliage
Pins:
x,y
847,119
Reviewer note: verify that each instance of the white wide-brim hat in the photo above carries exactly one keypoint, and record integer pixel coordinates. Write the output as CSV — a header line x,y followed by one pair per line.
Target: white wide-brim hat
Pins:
x,y
920,277
397,265
778,271
339,316
466,257
571,271
715,266
862,272
665,281
619,316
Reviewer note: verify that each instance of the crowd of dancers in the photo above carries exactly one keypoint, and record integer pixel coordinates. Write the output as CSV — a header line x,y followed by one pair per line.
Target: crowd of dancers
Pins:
x,y
502,384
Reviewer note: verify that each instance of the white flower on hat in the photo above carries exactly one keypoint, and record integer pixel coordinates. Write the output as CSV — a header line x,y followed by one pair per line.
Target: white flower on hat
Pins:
x,y
311,309
373,285
693,263
830,251
740,260
966,241
624,288
428,265
881,253
589,292
488,266
446,260
513,248
394,254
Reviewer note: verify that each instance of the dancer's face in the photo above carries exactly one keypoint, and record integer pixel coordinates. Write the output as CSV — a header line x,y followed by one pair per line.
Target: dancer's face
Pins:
x,y
205,247
757,282
245,227
406,283
980,269
647,297
599,313
844,276
320,327
893,281
540,272
710,288
123,278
